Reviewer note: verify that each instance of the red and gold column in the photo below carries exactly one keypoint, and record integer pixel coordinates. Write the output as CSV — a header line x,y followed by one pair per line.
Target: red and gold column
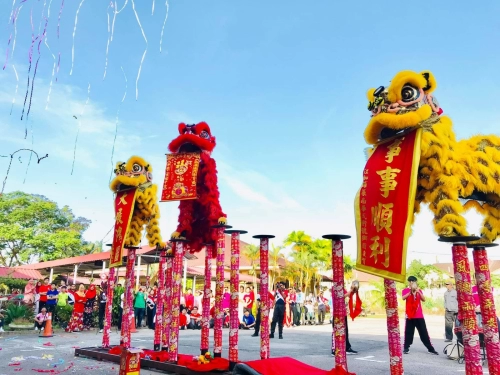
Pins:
x,y
109,308
176,296
338,298
167,303
488,311
264,295
394,337
160,298
466,310
128,298
233,307
219,288
205,311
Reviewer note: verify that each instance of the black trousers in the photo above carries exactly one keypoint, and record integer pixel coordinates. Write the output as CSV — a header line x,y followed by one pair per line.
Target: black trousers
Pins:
x,y
41,305
102,312
278,316
347,343
151,317
120,316
257,322
449,318
419,324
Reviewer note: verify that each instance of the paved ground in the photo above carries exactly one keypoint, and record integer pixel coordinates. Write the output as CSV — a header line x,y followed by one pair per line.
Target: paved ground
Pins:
x,y
29,354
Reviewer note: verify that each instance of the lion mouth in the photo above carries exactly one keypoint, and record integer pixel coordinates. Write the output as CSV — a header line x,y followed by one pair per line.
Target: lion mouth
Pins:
x,y
387,133
189,147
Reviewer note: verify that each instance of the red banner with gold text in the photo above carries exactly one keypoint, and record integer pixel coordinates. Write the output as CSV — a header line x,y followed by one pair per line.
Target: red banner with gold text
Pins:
x,y
384,207
124,208
180,177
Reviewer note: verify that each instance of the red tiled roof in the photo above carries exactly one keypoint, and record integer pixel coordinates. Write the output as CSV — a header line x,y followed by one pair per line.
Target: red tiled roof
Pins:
x,y
16,273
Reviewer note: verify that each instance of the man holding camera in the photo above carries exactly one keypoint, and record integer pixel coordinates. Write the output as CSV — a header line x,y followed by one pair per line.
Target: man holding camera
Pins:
x,y
279,310
414,297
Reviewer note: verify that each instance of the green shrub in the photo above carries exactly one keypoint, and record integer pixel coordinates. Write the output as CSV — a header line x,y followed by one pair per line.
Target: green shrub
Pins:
x,y
13,312
13,283
63,315
116,303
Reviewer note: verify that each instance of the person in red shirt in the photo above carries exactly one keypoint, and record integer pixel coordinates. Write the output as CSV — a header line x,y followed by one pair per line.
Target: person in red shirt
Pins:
x,y
195,322
248,299
43,294
183,319
76,322
189,299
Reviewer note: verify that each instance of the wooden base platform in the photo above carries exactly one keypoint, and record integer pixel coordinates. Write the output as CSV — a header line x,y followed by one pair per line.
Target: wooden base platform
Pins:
x,y
168,367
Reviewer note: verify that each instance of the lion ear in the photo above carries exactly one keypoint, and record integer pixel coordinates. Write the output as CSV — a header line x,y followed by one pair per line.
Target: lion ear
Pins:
x,y
369,95
431,81
182,127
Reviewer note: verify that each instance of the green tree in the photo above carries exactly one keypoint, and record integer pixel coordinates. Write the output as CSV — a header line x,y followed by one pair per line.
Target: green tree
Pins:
x,y
299,240
420,270
275,254
34,228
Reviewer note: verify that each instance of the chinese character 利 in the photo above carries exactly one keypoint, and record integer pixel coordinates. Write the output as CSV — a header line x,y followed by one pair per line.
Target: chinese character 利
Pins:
x,y
380,249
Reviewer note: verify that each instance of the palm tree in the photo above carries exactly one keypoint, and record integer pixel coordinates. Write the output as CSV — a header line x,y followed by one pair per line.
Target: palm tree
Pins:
x,y
274,255
306,263
252,252
299,240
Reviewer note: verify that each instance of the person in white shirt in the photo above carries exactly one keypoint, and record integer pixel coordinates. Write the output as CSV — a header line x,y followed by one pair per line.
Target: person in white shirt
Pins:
x,y
451,310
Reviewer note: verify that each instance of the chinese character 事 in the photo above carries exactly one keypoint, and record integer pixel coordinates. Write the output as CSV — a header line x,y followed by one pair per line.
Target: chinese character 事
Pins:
x,y
388,183
394,149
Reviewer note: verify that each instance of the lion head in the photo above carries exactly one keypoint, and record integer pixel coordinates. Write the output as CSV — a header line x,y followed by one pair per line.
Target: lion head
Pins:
x,y
405,104
193,138
135,172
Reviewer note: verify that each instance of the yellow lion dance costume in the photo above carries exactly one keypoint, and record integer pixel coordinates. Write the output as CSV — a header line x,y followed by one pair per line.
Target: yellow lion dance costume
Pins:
x,y
450,172
136,172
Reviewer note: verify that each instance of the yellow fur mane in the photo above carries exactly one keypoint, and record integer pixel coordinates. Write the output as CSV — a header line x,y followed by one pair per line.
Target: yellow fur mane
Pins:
x,y
449,170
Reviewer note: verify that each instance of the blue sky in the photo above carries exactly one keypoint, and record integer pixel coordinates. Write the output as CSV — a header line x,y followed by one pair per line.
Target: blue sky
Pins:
x,y
282,85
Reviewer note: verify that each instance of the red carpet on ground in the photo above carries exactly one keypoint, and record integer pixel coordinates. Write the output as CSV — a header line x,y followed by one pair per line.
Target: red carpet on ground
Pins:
x,y
290,366
216,364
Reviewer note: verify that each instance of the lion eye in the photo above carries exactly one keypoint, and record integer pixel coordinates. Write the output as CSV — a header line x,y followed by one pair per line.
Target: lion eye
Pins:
x,y
204,134
409,93
136,168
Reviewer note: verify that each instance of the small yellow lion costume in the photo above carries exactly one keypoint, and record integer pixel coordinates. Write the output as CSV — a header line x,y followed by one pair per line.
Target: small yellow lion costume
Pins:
x,y
450,172
136,172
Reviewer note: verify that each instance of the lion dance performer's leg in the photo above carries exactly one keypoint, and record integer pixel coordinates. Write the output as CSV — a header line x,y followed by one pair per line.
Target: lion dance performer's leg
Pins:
x,y
447,209
391,308
186,212
488,312
205,318
466,313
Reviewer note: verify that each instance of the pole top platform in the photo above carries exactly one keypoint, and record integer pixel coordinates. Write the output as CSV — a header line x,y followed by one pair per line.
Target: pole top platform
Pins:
x,y
180,239
131,247
481,246
263,236
458,239
217,226
230,231
336,237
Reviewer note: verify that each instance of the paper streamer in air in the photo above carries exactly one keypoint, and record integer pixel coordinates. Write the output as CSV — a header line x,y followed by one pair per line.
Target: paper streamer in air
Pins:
x,y
74,33
79,125
114,17
153,8
116,121
109,38
59,18
163,27
143,55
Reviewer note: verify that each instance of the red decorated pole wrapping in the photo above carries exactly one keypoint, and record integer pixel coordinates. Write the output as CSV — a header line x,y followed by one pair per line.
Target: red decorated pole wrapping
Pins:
x,y
233,307
176,296
128,306
264,298
167,303
109,308
339,312
160,297
391,309
205,311
488,312
219,288
466,313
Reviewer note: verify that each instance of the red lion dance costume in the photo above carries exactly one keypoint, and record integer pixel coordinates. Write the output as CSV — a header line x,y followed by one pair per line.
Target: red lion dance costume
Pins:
x,y
198,216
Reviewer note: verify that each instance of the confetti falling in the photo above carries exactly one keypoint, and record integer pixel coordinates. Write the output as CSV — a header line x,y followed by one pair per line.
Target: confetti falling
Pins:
x,y
109,39
163,27
79,125
143,55
74,33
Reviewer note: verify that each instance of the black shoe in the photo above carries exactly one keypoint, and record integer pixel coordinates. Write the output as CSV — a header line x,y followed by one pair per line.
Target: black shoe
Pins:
x,y
271,336
257,335
333,353
350,351
281,337
406,351
433,351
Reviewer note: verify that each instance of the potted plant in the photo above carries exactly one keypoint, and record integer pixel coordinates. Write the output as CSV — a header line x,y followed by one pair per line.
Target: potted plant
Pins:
x,y
18,317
